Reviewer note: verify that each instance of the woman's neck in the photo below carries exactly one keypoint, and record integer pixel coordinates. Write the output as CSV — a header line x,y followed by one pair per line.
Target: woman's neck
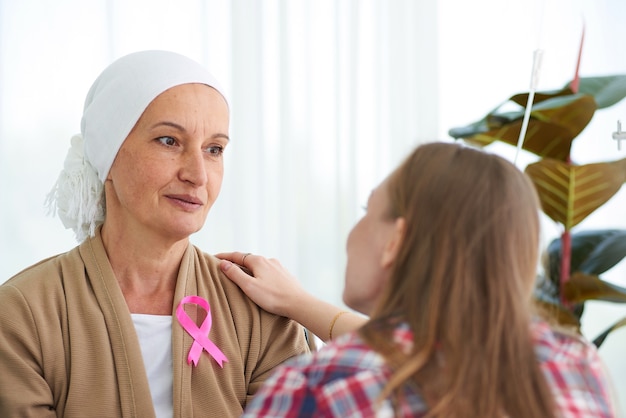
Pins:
x,y
146,269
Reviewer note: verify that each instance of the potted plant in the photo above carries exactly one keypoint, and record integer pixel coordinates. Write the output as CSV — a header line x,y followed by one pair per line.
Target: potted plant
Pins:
x,y
568,192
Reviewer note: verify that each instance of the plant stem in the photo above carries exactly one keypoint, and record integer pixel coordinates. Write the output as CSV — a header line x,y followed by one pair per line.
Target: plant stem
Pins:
x,y
566,257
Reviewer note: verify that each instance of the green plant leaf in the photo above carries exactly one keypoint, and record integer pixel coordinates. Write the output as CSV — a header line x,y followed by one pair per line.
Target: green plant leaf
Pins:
x,y
555,120
606,255
522,98
582,287
606,90
600,338
592,252
569,193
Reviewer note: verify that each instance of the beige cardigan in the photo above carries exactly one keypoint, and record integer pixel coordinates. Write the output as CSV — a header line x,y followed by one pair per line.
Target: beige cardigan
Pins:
x,y
68,347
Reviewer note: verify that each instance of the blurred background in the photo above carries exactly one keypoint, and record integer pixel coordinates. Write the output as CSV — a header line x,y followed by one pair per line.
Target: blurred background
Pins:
x,y
326,97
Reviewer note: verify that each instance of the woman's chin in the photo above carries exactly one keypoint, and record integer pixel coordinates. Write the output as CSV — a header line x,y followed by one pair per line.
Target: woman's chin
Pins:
x,y
182,231
357,306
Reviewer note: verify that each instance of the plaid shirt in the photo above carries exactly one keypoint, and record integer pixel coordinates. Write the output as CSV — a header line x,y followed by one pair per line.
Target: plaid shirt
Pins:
x,y
344,379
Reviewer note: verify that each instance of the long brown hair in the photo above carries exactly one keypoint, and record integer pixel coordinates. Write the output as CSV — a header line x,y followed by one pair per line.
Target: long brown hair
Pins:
x,y
463,281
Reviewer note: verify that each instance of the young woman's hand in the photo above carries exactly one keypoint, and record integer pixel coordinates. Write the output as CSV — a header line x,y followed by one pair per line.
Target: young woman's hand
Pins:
x,y
274,289
265,281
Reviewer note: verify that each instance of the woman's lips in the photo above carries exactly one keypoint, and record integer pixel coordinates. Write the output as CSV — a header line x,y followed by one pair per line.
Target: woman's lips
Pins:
x,y
186,201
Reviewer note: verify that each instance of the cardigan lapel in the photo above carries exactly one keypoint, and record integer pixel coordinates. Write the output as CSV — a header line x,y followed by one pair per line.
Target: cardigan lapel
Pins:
x,y
134,390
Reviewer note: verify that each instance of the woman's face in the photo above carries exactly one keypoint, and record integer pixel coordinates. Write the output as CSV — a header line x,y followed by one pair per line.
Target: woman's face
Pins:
x,y
371,249
169,170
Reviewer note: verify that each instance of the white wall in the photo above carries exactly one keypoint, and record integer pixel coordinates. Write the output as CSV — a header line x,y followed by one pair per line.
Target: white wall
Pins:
x,y
486,54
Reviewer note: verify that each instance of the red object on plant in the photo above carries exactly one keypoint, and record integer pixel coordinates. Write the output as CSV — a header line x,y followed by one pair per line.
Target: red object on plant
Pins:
x,y
566,257
576,81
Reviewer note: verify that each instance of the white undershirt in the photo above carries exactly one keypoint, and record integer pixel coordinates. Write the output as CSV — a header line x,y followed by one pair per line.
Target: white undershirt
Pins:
x,y
155,338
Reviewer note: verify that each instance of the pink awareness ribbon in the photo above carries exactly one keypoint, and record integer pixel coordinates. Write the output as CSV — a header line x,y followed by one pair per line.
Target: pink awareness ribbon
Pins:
x,y
200,335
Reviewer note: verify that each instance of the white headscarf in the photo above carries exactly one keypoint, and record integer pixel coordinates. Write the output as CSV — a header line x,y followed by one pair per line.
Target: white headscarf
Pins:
x,y
114,104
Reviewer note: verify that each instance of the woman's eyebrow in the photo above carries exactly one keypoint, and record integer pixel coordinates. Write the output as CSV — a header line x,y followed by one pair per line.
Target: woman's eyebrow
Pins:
x,y
182,129
170,124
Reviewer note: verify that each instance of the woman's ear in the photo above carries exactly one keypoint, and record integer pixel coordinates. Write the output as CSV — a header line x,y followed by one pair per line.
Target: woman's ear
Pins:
x,y
394,242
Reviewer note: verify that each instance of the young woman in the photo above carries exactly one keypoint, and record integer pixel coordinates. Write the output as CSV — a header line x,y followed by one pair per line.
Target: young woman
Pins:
x,y
443,263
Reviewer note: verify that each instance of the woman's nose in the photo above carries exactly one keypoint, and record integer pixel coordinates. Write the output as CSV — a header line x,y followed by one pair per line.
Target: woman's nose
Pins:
x,y
193,168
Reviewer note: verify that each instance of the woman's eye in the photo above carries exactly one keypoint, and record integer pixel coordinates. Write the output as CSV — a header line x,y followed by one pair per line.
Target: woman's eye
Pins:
x,y
215,150
167,140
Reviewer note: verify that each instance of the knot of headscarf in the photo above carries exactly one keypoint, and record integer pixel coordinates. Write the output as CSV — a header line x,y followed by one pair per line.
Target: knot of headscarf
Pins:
x,y
78,194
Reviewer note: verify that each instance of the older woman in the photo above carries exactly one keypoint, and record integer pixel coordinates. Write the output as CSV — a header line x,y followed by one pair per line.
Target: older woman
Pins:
x,y
136,321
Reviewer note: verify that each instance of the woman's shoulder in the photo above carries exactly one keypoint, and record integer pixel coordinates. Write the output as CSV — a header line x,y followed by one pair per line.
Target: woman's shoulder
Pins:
x,y
556,343
347,356
349,353
345,373
212,283
573,370
37,293
209,274
41,274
